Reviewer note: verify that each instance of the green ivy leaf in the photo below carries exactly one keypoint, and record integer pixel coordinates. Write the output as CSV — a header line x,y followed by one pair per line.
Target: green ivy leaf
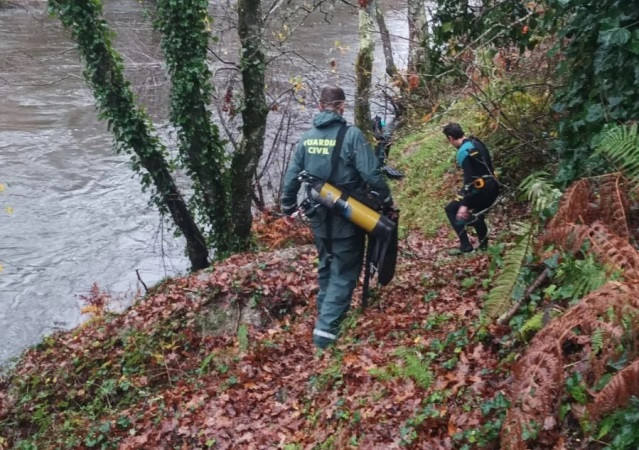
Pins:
x,y
576,388
595,113
447,27
616,36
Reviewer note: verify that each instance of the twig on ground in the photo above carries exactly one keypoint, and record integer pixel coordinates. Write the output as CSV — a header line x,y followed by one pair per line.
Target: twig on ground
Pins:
x,y
532,288
239,316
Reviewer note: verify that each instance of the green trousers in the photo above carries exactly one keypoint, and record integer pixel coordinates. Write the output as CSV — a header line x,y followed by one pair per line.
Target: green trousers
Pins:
x,y
337,280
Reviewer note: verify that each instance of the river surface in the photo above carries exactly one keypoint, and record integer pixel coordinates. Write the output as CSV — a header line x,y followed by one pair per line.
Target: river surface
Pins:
x,y
71,211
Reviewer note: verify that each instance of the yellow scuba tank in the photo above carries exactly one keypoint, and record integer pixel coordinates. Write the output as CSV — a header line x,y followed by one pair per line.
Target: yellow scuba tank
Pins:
x,y
369,220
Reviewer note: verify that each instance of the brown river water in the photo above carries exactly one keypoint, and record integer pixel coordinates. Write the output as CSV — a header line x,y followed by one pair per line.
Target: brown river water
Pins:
x,y
71,211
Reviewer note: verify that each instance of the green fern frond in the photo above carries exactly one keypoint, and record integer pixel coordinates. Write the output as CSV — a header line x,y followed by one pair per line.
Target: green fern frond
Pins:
x,y
589,275
580,277
418,371
597,341
621,145
520,229
415,367
500,297
539,191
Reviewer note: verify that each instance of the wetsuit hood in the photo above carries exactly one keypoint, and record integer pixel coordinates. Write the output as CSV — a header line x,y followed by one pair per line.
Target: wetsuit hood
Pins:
x,y
325,118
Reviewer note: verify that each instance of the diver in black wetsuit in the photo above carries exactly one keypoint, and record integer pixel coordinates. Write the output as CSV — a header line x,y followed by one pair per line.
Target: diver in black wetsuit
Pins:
x,y
480,189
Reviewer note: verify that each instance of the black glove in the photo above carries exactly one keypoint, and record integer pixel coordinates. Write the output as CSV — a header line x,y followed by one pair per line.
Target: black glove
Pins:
x,y
289,209
393,214
388,203
390,210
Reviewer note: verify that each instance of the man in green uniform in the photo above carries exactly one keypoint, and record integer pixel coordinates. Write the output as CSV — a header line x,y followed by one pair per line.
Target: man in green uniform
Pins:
x,y
480,189
340,244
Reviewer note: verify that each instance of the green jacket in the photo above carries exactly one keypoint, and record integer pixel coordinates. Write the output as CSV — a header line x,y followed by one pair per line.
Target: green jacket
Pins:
x,y
357,166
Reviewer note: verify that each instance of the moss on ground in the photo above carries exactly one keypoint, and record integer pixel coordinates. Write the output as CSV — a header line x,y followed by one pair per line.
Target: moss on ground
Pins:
x,y
425,160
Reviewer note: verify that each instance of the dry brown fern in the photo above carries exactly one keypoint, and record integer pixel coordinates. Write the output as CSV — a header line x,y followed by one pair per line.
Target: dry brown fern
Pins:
x,y
600,199
617,392
275,232
574,206
615,250
570,237
612,249
538,377
613,204
589,333
604,223
511,434
536,388
584,321
612,295
537,373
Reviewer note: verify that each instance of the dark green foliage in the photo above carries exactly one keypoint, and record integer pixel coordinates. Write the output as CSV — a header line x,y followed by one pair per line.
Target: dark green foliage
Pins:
x,y
622,426
481,44
575,277
576,388
599,40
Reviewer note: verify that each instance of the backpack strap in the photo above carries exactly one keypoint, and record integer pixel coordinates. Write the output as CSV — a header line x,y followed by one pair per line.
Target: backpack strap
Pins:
x,y
464,151
486,159
337,150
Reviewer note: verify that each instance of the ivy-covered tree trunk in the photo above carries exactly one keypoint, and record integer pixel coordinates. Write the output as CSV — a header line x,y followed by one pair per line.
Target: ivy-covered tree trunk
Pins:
x,y
133,130
364,65
185,38
417,37
254,114
391,69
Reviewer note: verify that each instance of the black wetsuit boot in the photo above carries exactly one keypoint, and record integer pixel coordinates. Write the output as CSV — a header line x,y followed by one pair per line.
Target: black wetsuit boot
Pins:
x,y
482,232
459,226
